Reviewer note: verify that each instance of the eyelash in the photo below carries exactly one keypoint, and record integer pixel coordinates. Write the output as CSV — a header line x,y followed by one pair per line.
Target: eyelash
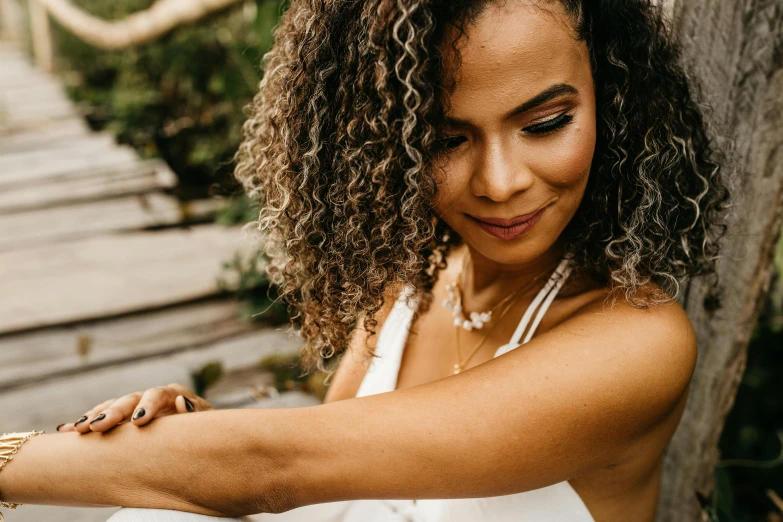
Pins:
x,y
539,129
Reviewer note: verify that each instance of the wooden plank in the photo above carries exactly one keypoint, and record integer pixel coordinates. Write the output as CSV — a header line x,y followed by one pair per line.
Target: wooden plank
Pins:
x,y
134,177
58,130
12,21
45,405
12,159
40,107
32,117
33,94
111,275
89,157
34,126
35,357
45,110
70,222
17,70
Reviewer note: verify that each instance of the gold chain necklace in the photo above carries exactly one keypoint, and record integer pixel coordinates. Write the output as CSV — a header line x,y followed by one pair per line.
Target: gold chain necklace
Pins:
x,y
459,366
454,302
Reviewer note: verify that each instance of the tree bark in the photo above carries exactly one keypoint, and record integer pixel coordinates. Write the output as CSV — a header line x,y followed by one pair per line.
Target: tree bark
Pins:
x,y
735,48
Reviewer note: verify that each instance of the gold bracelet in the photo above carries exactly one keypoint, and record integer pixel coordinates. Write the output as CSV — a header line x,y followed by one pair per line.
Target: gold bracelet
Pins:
x,y
9,445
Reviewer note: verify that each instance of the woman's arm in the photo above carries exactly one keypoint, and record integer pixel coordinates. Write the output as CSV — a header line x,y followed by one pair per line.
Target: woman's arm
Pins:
x,y
201,462
572,400
568,401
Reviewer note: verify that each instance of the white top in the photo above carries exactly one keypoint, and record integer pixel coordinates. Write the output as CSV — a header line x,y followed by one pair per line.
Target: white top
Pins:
x,y
556,503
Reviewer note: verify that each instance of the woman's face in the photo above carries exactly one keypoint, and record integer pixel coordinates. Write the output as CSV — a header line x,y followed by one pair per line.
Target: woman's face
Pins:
x,y
520,132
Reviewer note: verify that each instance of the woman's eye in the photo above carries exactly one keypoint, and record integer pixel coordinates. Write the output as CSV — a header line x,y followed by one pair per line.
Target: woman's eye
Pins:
x,y
450,142
550,125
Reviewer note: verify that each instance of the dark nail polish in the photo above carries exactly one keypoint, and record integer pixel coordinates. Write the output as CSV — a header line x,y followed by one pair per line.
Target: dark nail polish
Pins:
x,y
99,418
58,427
139,414
82,419
189,405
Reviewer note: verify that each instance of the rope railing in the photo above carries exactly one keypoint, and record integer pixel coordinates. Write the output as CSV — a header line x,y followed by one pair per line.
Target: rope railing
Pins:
x,y
136,29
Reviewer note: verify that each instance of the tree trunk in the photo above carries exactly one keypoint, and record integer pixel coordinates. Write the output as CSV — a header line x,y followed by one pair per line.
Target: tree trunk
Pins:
x,y
735,47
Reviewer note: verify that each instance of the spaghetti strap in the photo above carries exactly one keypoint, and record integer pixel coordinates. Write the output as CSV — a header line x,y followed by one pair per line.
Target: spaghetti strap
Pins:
x,y
551,288
548,301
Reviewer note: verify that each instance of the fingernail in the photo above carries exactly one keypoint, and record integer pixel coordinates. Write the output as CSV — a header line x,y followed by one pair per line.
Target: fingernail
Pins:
x,y
188,404
98,418
83,418
58,427
139,414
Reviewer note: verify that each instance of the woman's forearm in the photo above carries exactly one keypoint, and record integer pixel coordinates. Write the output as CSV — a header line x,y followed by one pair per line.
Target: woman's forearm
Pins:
x,y
207,462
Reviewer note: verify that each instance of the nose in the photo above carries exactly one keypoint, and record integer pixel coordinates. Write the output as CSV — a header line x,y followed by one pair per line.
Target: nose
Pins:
x,y
500,172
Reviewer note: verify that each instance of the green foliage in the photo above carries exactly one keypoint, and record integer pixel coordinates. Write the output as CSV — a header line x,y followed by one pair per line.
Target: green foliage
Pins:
x,y
244,276
288,375
180,97
206,376
237,210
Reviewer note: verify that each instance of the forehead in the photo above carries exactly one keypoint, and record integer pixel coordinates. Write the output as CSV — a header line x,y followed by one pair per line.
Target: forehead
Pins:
x,y
514,50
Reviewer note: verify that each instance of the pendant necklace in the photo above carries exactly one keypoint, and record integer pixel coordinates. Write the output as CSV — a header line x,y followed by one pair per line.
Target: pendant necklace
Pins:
x,y
459,323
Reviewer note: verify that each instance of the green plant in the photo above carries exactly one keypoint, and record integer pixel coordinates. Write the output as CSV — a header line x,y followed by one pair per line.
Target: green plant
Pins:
x,y
181,97
288,375
206,376
244,277
237,210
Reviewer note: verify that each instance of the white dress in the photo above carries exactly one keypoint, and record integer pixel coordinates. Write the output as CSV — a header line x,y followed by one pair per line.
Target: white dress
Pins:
x,y
556,503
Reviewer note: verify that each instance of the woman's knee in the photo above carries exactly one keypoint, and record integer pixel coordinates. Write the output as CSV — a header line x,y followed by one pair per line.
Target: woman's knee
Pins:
x,y
165,515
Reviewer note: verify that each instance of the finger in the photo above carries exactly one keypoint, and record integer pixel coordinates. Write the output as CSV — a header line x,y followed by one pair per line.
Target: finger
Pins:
x,y
186,404
199,403
154,402
82,424
114,413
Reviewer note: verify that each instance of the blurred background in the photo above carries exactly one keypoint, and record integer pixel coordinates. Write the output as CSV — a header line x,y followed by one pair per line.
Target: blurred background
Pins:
x,y
124,262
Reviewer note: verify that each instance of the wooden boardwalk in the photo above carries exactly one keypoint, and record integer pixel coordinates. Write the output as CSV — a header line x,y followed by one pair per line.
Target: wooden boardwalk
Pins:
x,y
105,287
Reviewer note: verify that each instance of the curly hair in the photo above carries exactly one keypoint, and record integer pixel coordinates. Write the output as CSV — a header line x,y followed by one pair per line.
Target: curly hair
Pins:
x,y
341,138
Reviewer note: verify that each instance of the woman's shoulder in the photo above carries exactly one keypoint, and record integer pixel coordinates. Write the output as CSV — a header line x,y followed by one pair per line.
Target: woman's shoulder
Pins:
x,y
355,360
647,318
648,303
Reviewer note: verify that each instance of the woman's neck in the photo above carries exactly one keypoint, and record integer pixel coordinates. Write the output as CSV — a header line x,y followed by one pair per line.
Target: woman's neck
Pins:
x,y
485,282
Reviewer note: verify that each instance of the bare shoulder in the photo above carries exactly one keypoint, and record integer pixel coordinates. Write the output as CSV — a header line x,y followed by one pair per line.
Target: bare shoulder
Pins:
x,y
660,337
354,361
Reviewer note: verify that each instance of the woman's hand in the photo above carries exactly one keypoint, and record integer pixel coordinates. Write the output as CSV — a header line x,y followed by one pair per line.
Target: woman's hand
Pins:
x,y
139,408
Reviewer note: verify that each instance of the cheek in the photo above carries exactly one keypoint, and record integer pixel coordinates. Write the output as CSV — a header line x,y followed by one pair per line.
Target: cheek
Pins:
x,y
566,162
449,182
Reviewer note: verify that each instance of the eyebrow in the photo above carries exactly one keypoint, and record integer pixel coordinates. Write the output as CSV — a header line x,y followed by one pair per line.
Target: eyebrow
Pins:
x,y
551,93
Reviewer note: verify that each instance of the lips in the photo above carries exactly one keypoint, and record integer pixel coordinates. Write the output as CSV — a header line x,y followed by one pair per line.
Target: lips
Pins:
x,y
508,229
503,222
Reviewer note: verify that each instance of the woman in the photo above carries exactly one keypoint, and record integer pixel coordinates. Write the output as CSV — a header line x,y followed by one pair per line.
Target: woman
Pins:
x,y
536,167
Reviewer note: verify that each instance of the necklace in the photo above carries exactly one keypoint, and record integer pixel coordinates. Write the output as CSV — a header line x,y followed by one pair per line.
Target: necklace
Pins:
x,y
459,366
454,303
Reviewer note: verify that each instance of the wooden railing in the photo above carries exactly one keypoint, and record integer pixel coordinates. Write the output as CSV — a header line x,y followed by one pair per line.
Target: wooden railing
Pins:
x,y
138,28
